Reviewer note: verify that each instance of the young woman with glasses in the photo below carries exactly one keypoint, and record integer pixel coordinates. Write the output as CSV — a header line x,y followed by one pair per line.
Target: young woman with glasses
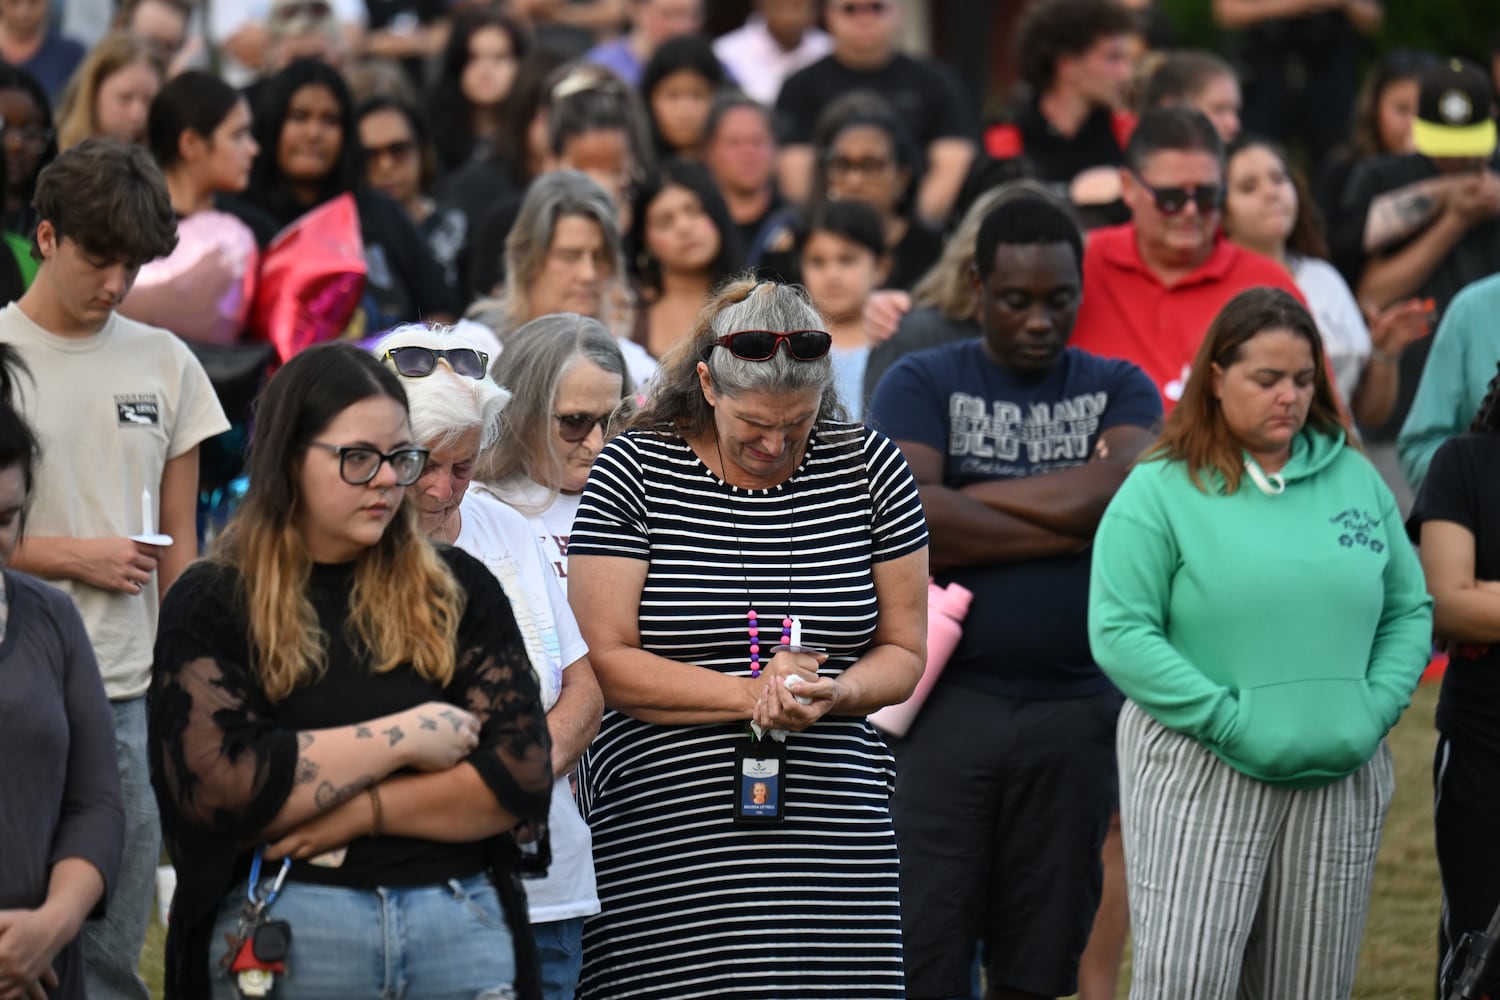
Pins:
x,y
340,705
738,514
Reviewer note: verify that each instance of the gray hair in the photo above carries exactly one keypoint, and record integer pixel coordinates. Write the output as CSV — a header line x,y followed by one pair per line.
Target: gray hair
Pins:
x,y
539,355
553,196
744,303
444,406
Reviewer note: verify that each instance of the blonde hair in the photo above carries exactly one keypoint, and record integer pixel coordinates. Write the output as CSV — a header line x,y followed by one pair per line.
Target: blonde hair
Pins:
x,y
76,119
405,604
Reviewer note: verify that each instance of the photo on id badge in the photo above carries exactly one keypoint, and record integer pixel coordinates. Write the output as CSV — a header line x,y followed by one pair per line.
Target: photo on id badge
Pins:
x,y
759,778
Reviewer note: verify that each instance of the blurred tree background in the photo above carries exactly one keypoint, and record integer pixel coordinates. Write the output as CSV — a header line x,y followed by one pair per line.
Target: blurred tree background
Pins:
x,y
1444,27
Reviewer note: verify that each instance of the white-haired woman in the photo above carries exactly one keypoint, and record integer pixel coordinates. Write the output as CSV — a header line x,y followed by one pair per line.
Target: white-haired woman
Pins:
x,y
456,413
564,255
569,378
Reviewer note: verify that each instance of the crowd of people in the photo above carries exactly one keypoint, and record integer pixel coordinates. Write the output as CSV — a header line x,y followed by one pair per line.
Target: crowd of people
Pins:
x,y
470,471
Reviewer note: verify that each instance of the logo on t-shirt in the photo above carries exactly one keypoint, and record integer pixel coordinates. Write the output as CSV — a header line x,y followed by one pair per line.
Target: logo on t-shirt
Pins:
x,y
1357,529
138,411
1003,438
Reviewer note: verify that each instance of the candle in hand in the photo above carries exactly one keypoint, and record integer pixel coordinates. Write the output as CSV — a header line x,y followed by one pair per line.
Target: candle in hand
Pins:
x,y
796,637
148,525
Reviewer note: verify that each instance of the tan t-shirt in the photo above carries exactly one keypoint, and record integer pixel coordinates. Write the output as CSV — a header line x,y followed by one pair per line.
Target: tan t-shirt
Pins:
x,y
109,412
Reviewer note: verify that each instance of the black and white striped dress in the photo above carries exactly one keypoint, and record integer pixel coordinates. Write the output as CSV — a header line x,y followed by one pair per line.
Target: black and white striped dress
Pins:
x,y
694,905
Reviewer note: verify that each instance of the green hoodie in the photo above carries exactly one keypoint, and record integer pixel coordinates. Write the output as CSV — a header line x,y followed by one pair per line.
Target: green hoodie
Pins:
x,y
1286,633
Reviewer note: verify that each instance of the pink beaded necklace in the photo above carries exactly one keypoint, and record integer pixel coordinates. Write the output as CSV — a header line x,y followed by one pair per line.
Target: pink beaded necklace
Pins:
x,y
752,617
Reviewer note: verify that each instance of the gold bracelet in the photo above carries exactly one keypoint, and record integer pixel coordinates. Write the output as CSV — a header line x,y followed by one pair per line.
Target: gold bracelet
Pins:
x,y
375,825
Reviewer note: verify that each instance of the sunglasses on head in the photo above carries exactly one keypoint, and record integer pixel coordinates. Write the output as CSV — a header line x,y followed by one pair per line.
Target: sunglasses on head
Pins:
x,y
761,345
1172,200
576,427
415,362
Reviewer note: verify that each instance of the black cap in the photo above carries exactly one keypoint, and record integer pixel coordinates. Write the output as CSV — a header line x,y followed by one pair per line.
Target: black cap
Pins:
x,y
1455,112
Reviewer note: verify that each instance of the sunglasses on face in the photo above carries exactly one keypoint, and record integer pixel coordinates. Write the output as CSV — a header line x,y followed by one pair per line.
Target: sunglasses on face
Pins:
x,y
575,428
398,150
1172,200
761,345
415,362
358,464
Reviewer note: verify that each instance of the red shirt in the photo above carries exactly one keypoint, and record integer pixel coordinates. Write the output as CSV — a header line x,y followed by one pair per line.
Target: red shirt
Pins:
x,y
1128,313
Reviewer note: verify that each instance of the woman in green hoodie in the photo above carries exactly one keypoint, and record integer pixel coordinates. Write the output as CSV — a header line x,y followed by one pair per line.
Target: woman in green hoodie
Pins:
x,y
1254,596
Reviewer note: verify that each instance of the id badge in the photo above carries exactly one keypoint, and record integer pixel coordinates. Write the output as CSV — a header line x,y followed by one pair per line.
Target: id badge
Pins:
x,y
760,781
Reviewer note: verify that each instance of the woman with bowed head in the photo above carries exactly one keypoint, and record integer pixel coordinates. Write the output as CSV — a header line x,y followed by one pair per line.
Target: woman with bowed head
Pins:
x,y
1255,598
1455,522
62,823
569,381
1267,209
456,413
750,572
110,94
344,723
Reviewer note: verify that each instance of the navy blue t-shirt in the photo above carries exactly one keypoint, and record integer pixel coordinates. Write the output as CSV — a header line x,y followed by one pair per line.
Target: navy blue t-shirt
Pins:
x,y
1026,634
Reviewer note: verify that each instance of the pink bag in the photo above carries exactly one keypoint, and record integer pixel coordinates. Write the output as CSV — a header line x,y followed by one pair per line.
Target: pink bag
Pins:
x,y
946,609
311,279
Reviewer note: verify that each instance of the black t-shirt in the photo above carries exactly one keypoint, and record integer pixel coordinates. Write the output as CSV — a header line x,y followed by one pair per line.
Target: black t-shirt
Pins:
x,y
918,250
926,95
486,251
1475,256
1463,486
1060,158
403,281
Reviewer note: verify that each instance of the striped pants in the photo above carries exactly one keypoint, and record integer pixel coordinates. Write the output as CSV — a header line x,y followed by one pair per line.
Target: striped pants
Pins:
x,y
1240,889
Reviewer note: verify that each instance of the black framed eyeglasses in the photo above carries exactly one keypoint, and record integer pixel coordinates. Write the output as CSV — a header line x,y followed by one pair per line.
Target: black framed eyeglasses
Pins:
x,y
359,464
1173,200
761,345
574,428
415,362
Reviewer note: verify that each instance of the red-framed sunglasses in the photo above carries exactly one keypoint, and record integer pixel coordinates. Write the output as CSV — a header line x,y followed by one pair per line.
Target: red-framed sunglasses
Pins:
x,y
761,345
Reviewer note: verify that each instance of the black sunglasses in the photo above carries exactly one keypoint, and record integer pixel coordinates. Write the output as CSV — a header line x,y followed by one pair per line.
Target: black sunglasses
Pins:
x,y
576,427
358,464
415,362
761,345
1172,200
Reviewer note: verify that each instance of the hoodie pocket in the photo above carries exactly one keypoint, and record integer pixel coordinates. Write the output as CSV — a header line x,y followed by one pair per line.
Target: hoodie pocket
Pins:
x,y
1304,730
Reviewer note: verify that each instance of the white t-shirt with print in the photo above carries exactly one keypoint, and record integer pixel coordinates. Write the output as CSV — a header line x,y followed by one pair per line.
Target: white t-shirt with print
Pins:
x,y
552,523
502,539
109,412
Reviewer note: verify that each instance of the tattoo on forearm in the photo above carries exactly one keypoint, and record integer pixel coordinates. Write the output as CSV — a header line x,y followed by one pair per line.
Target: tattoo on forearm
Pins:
x,y
453,719
307,771
395,734
327,796
426,723
363,733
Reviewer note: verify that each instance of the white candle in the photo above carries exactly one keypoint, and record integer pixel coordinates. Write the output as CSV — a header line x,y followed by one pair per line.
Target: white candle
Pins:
x,y
148,527
796,632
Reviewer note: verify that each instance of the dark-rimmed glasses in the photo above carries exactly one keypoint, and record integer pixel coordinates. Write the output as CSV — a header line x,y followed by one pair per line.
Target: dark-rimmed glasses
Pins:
x,y
761,345
1172,200
416,362
359,464
575,428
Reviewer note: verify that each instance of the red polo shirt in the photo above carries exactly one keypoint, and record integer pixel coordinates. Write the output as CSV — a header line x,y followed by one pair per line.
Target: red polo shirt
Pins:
x,y
1128,313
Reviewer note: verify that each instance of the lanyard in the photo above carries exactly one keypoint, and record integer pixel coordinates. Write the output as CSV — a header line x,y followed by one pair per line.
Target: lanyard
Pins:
x,y
265,904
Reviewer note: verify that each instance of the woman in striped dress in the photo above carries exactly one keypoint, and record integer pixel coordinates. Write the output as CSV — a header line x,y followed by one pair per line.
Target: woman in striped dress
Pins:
x,y
737,796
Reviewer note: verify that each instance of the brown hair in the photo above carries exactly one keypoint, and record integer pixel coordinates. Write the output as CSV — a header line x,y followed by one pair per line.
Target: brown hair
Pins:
x,y
1051,29
404,606
1195,433
1306,238
110,199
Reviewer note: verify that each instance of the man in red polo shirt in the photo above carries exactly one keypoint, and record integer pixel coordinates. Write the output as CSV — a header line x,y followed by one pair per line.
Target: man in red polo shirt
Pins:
x,y
1155,283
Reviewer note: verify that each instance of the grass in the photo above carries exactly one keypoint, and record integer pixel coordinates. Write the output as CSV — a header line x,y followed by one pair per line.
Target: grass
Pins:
x,y
1397,959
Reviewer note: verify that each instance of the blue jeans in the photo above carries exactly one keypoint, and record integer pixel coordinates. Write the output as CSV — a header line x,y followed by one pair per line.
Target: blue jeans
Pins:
x,y
112,946
559,945
437,942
